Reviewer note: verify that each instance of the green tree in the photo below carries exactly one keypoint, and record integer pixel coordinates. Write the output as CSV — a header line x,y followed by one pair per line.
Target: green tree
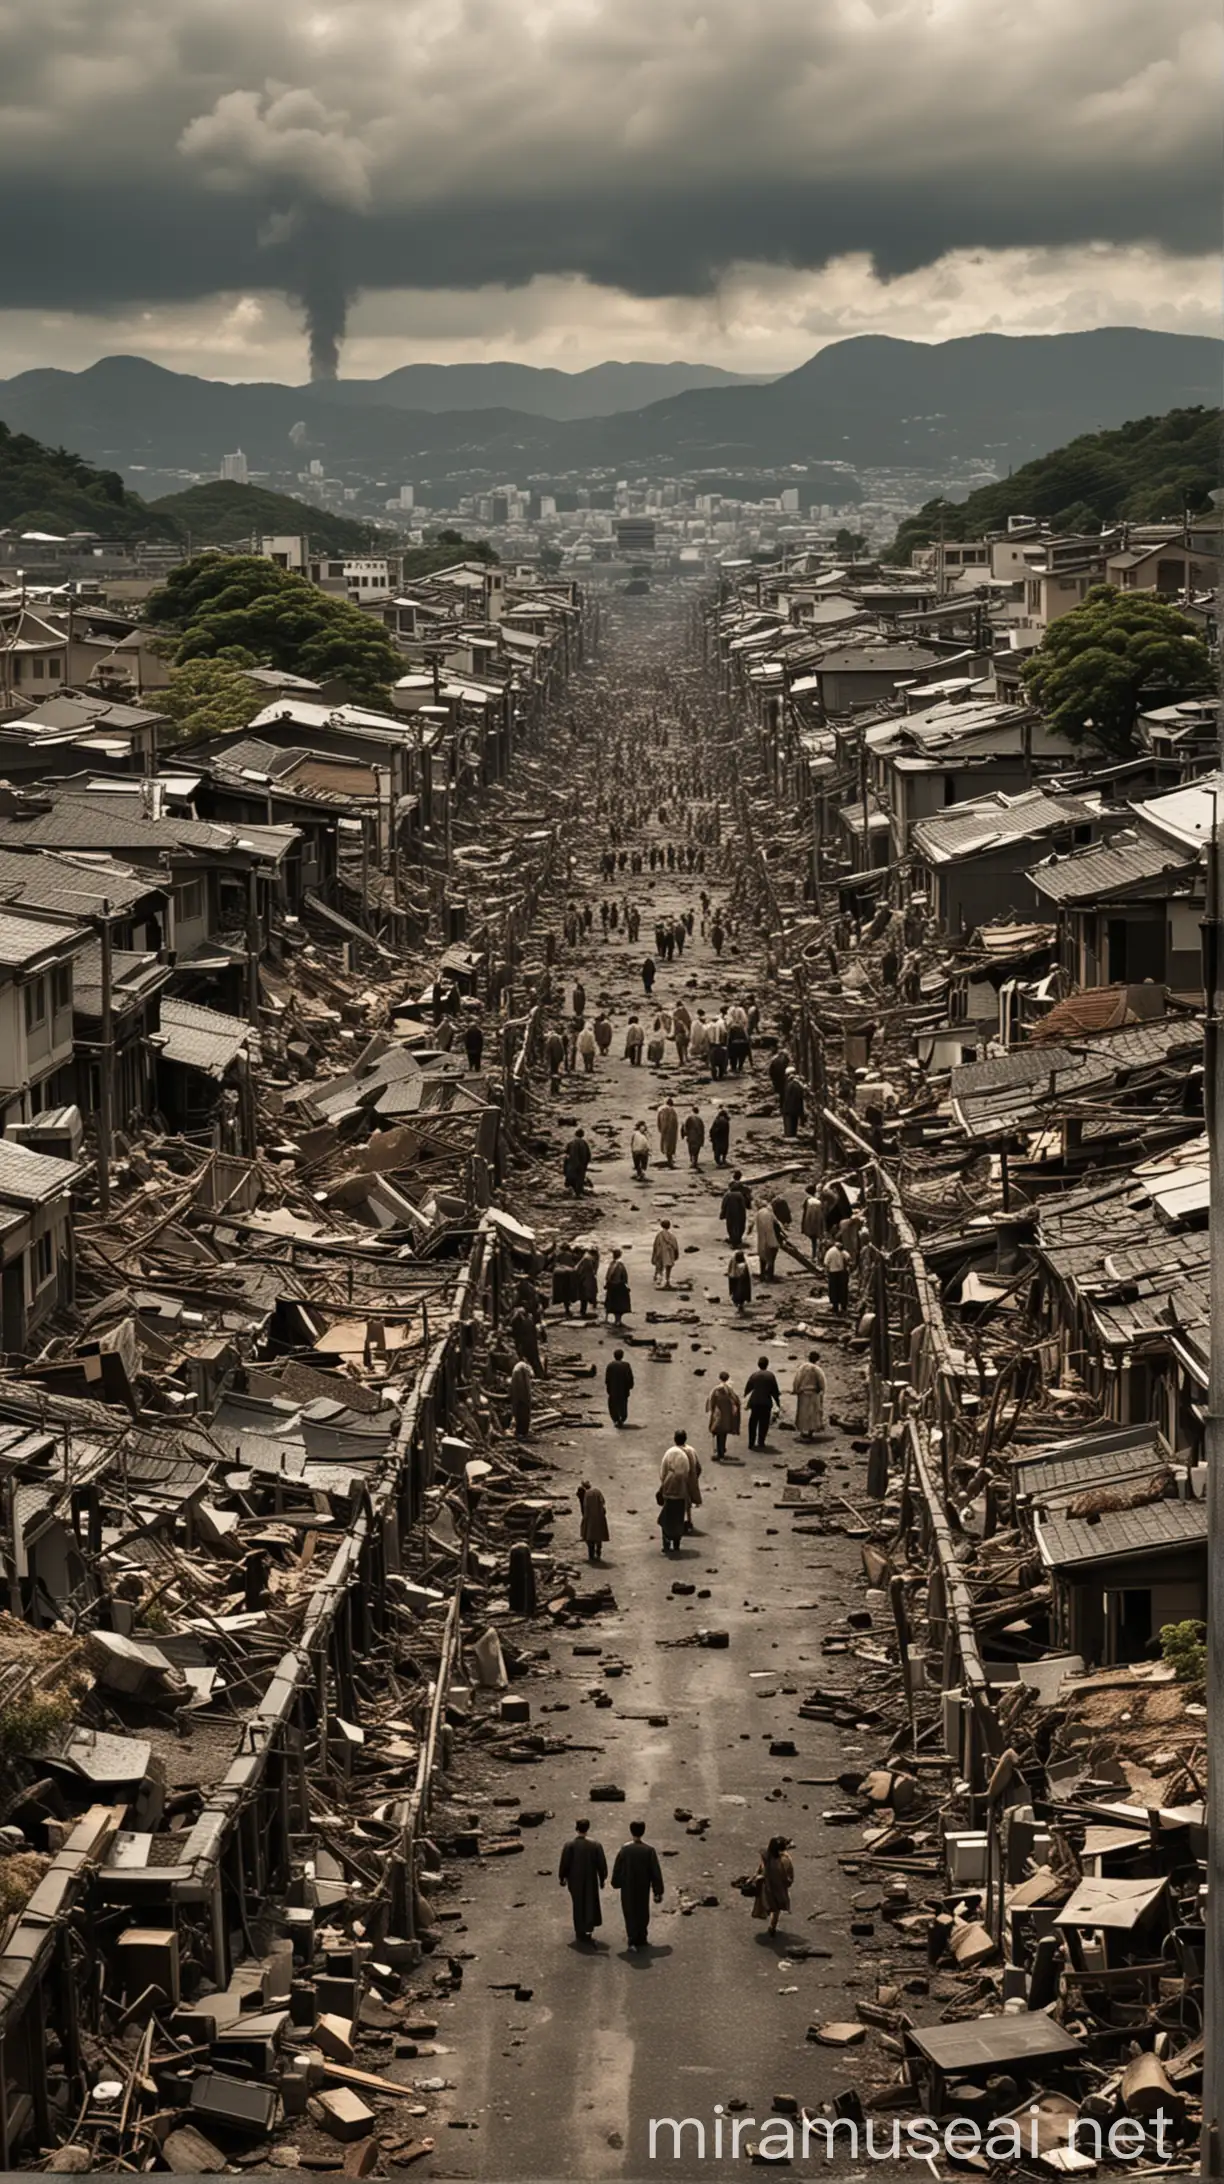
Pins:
x,y
849,542
219,602
549,559
212,697
1095,665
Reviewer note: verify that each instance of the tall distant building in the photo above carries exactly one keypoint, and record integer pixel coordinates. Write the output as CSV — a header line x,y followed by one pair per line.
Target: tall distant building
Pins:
x,y
407,496
234,468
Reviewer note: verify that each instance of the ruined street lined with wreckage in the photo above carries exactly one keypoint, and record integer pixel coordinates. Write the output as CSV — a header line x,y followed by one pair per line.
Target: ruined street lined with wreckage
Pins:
x,y
309,1672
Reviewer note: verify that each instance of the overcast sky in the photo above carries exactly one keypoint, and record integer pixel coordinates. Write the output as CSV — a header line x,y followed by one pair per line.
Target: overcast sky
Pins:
x,y
738,181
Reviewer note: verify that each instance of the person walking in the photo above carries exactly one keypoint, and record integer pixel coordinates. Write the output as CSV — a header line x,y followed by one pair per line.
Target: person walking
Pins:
x,y
717,935
603,1032
639,1151
635,1040
616,1289
720,1137
794,1106
682,1027
811,1219
693,1134
723,1415
618,1381
808,1389
718,1049
836,1264
587,1046
774,1878
664,1253
583,1870
637,1874
667,1122
594,1528
778,1072
699,1038
525,1336
734,1210
768,1240
473,1043
675,1479
739,1281
648,975
586,1283
521,1382
554,1058
576,1162
763,1396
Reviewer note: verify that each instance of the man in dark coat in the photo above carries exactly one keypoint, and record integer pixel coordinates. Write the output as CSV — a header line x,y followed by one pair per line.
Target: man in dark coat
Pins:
x,y
473,1044
792,1105
720,1137
583,1870
762,1396
639,1876
734,1210
526,1340
577,1161
618,1380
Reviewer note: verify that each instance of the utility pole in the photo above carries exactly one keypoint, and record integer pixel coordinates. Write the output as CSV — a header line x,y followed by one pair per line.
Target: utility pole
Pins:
x,y
106,1067
1212,2145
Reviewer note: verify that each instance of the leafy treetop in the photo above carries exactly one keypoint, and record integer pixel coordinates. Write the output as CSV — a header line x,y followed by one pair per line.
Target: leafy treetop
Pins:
x,y
1096,666
217,602
1153,468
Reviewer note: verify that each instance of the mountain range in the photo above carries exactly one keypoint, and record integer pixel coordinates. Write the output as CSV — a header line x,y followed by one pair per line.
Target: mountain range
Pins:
x,y
869,402
534,390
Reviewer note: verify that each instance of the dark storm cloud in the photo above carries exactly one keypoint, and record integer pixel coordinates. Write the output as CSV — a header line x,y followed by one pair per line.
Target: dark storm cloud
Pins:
x,y
161,153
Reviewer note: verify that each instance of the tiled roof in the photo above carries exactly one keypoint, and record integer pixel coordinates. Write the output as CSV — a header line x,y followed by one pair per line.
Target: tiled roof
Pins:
x,y
1087,874
1161,1527
28,1178
204,1039
965,830
24,941
43,881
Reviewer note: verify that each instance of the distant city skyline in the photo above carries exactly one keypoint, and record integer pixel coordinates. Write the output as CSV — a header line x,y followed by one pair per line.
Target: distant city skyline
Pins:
x,y
649,179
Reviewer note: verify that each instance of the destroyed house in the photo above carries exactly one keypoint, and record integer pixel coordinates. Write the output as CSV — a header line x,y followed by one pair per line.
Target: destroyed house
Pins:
x,y
37,955
1120,1575
971,858
250,779
352,735
920,763
225,886
66,732
1123,1292
36,1243
1129,910
1083,1099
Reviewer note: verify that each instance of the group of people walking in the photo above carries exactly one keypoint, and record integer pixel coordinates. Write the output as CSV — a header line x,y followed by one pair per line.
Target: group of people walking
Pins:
x,y
637,1877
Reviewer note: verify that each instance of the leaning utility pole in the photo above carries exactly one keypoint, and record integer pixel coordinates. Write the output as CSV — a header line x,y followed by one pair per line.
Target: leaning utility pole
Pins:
x,y
1212,2149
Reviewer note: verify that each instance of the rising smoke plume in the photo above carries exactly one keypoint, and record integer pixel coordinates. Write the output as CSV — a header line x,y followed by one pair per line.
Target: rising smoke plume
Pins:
x,y
305,170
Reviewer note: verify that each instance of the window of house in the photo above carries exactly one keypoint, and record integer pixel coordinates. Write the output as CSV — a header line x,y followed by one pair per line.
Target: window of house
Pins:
x,y
38,670
44,1260
55,669
189,901
35,1003
61,989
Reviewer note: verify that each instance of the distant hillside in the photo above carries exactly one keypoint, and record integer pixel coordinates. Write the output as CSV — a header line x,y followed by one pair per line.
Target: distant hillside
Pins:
x,y
46,489
1152,468
604,391
225,514
867,403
